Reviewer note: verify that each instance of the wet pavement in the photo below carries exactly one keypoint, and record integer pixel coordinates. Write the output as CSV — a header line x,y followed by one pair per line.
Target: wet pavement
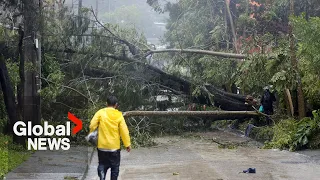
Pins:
x,y
314,155
214,155
51,165
201,157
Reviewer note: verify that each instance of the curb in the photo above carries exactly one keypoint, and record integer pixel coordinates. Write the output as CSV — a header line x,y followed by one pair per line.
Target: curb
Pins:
x,y
87,166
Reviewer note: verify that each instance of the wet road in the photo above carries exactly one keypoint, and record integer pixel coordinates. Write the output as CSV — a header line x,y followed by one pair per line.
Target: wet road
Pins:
x,y
52,165
212,155
201,157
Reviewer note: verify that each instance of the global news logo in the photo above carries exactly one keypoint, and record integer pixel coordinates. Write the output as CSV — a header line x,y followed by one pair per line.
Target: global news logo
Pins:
x,y
34,133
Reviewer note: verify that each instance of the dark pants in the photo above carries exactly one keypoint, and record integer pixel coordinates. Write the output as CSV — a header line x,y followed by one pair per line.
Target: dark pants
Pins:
x,y
268,112
108,160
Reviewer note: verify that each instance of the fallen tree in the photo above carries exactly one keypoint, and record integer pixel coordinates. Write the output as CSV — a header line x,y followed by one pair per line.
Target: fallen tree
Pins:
x,y
210,95
146,73
213,114
197,51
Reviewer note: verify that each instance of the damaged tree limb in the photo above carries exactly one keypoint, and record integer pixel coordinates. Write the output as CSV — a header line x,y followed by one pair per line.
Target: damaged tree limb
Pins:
x,y
197,51
210,95
135,50
214,114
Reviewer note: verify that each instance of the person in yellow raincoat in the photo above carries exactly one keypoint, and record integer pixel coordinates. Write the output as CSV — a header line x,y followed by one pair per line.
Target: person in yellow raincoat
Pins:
x,y
111,127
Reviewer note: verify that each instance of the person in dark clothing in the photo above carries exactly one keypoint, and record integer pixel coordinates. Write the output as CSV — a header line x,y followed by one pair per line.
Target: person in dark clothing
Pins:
x,y
267,102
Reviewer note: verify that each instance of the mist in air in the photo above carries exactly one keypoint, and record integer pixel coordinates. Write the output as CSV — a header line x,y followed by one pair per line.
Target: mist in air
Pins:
x,y
128,13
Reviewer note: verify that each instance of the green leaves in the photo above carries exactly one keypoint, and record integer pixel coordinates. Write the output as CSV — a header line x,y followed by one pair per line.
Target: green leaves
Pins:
x,y
309,55
17,154
196,91
293,135
280,79
217,34
253,75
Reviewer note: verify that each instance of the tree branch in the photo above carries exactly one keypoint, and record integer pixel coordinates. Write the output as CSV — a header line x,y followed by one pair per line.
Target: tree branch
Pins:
x,y
232,26
224,100
47,80
89,93
197,51
132,48
216,114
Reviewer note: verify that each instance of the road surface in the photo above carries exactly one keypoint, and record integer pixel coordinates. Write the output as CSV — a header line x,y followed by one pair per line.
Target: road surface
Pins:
x,y
211,156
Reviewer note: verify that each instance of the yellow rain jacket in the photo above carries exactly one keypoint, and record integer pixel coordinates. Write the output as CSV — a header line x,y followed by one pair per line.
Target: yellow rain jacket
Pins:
x,y
111,126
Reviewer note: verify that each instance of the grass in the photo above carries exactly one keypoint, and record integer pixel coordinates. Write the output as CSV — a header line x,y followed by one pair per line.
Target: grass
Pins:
x,y
11,155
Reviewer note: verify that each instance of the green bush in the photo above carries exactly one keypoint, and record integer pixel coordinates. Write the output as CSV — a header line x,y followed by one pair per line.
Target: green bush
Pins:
x,y
294,135
262,134
11,155
284,132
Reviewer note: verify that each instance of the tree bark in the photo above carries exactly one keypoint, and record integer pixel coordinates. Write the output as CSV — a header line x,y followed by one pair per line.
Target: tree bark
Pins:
x,y
20,86
294,62
8,95
9,100
197,51
232,26
289,99
31,106
214,114
222,99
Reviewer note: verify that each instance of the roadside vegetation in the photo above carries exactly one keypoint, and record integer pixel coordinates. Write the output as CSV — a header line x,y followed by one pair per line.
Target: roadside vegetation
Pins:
x,y
296,135
11,154
286,134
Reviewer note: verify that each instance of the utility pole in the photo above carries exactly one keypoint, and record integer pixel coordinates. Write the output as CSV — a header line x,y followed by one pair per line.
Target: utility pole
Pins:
x,y
31,55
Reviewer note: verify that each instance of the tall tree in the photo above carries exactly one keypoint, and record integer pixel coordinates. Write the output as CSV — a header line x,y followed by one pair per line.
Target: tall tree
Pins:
x,y
294,62
8,94
31,100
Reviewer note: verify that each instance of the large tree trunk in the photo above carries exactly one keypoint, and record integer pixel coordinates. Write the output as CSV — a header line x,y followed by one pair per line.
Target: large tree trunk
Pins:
x,y
20,86
197,51
227,101
294,62
8,94
210,95
9,100
31,106
214,114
